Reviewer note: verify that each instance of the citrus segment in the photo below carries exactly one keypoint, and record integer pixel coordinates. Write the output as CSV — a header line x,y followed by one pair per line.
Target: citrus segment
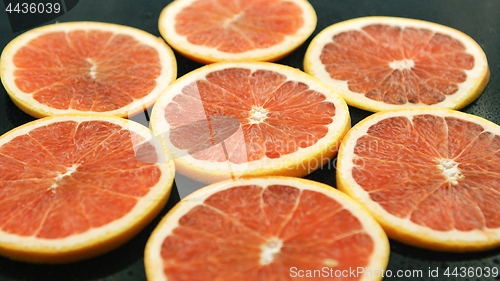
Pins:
x,y
210,31
86,67
263,227
75,186
430,176
231,119
379,63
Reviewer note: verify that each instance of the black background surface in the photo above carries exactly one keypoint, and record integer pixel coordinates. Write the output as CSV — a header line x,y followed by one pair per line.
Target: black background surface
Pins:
x,y
478,19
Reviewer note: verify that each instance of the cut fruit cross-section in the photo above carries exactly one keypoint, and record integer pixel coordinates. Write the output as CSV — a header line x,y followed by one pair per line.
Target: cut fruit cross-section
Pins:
x,y
431,177
381,63
75,186
86,67
272,228
228,120
227,30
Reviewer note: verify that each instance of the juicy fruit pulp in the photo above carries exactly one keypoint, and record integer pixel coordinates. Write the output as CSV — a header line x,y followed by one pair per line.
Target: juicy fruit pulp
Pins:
x,y
232,119
210,31
238,26
277,116
260,229
69,177
387,63
439,172
398,65
86,70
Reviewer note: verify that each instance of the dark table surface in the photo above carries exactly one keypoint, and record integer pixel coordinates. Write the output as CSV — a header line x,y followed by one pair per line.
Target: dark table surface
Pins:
x,y
480,19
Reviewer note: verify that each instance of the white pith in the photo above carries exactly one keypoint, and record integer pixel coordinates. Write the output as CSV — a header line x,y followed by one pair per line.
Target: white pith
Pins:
x,y
330,262
258,115
59,177
450,170
232,20
93,68
402,64
269,249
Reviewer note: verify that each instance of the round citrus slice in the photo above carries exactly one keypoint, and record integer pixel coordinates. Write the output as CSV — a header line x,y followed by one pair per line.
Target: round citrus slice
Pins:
x,y
78,185
382,63
88,67
431,177
273,228
221,30
227,120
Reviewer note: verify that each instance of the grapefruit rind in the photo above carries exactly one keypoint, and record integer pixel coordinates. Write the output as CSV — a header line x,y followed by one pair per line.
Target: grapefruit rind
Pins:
x,y
207,55
471,89
152,258
404,230
100,240
298,164
28,104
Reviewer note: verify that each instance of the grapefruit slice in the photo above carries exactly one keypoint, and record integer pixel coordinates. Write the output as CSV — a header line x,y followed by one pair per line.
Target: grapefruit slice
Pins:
x,y
75,186
381,63
222,30
227,120
273,228
429,176
86,67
